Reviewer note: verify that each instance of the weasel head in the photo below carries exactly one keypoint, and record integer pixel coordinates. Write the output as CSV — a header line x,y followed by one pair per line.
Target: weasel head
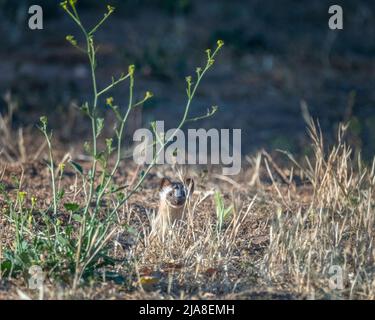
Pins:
x,y
175,193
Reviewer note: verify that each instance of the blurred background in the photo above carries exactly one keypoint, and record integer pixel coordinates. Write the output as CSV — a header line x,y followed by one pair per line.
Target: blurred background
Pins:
x,y
276,54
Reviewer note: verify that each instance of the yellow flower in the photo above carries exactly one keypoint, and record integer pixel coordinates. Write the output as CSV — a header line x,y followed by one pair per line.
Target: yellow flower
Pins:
x,y
71,40
220,43
110,9
61,167
148,95
22,195
33,201
109,101
64,5
131,69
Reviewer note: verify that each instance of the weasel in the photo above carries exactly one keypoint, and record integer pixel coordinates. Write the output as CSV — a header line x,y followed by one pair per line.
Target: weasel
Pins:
x,y
173,198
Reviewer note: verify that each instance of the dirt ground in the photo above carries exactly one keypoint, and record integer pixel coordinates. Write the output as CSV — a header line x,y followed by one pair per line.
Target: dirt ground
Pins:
x,y
162,272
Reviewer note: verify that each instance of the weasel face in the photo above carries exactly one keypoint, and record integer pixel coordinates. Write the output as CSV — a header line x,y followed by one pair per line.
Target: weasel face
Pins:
x,y
175,193
173,196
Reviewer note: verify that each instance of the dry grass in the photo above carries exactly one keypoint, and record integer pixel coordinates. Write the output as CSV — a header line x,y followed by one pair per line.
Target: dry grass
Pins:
x,y
287,229
12,146
335,226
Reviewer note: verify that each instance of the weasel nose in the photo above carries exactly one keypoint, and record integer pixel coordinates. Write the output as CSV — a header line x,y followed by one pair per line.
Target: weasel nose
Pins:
x,y
178,193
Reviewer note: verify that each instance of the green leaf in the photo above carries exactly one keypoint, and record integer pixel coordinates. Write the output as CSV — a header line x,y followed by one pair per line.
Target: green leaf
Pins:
x,y
85,108
100,126
222,213
87,147
73,207
108,143
77,167
61,194
99,188
77,217
6,266
44,120
227,211
62,240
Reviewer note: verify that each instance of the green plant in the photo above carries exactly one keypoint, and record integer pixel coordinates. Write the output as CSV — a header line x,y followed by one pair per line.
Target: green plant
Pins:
x,y
222,212
80,246
98,192
51,166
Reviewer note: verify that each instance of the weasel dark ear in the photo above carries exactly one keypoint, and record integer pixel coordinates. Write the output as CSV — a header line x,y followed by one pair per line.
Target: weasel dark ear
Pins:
x,y
164,183
190,185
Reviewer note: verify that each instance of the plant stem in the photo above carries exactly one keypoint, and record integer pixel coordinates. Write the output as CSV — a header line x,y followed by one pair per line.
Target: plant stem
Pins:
x,y
52,171
182,122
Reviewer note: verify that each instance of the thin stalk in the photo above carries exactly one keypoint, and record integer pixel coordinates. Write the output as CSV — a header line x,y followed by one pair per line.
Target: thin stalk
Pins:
x,y
118,158
182,122
52,170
